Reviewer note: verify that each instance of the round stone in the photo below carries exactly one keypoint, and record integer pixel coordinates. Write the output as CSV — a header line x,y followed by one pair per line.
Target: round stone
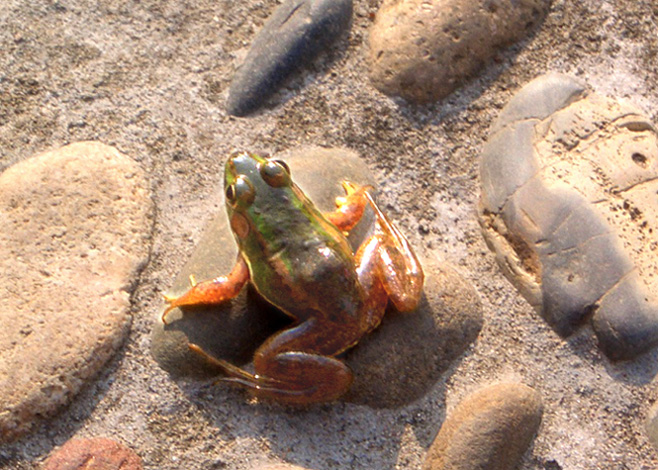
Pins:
x,y
569,181
490,430
423,50
93,454
76,226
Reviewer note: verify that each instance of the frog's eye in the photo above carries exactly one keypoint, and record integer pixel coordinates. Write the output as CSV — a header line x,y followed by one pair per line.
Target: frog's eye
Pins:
x,y
275,173
241,192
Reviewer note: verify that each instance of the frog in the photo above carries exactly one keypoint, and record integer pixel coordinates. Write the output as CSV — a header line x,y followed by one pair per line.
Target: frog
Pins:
x,y
300,260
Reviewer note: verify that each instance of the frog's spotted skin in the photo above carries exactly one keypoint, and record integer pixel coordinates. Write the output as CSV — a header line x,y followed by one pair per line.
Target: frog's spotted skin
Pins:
x,y
300,261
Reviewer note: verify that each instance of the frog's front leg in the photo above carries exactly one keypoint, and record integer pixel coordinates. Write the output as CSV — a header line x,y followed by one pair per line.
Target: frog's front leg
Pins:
x,y
212,292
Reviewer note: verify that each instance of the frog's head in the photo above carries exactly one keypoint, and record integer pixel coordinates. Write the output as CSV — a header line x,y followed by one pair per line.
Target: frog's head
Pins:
x,y
260,198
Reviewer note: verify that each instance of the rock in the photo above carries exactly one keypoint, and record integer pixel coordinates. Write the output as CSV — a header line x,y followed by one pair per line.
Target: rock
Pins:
x,y
279,466
447,321
76,227
234,331
93,454
423,50
294,35
568,204
652,426
490,430
401,360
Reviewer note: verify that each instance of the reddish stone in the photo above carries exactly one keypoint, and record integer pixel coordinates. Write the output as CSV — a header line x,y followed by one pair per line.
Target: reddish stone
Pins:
x,y
93,454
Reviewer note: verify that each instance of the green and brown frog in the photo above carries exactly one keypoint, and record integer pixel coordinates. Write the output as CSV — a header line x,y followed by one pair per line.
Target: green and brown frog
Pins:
x,y
299,260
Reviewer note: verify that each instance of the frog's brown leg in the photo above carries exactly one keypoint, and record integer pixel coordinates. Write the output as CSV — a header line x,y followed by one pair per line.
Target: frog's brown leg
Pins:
x,y
212,292
350,208
293,366
387,269
400,269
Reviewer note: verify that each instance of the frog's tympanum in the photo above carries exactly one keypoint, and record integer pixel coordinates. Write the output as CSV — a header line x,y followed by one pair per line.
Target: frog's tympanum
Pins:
x,y
299,260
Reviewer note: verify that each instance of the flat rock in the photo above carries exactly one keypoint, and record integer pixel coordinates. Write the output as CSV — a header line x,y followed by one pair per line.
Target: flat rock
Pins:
x,y
448,319
490,430
294,35
422,50
93,454
75,233
279,466
569,180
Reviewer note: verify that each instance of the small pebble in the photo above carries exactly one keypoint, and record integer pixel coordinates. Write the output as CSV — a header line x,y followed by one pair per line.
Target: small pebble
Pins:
x,y
489,430
293,36
93,454
422,50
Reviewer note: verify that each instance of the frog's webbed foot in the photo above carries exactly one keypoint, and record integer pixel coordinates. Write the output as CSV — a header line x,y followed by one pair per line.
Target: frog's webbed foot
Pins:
x,y
349,208
289,377
213,292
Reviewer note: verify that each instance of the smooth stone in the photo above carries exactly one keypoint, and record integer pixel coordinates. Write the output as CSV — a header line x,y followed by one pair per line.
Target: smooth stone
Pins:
x,y
235,330
402,360
489,430
93,454
422,50
76,228
570,211
293,36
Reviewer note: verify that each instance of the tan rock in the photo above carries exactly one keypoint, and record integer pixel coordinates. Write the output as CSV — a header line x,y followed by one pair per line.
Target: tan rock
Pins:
x,y
490,430
422,50
93,454
75,231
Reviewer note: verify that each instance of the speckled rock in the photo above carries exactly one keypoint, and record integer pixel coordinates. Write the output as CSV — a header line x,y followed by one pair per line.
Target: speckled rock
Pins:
x,y
75,233
279,466
295,34
652,426
447,321
93,454
423,50
490,430
569,181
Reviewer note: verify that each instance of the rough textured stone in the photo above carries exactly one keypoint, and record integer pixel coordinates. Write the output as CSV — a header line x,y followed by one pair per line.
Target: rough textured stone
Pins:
x,y
568,204
279,466
490,430
423,50
75,233
93,454
295,34
652,426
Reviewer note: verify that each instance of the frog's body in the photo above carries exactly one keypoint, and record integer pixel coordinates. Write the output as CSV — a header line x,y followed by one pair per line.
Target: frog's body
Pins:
x,y
300,261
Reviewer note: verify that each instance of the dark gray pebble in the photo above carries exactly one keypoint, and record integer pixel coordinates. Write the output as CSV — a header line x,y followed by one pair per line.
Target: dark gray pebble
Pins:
x,y
295,34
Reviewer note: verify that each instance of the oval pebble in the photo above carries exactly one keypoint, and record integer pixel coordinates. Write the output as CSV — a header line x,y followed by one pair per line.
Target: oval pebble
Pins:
x,y
76,226
93,454
569,181
422,50
294,35
490,430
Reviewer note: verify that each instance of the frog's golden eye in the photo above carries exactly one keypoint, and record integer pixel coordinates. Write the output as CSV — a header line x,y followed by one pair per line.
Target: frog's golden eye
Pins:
x,y
240,193
275,173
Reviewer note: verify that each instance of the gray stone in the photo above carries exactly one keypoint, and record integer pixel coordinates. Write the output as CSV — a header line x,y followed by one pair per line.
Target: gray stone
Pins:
x,y
295,34
490,430
426,341
570,212
76,226
423,50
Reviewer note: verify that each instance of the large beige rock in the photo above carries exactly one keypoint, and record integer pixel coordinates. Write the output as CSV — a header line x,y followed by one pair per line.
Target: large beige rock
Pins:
x,y
74,234
422,50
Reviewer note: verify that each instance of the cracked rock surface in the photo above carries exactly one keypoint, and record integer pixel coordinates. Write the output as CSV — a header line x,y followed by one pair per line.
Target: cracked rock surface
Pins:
x,y
569,183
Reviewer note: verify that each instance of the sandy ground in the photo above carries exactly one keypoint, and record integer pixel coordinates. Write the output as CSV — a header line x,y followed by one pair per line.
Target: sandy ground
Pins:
x,y
150,77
